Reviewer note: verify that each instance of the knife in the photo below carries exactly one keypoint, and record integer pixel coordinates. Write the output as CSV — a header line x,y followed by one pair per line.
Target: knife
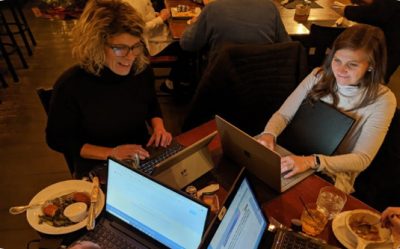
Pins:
x,y
93,201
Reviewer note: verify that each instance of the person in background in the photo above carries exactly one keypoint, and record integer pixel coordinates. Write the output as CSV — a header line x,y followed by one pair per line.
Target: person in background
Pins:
x,y
350,80
384,14
391,219
104,106
159,42
234,21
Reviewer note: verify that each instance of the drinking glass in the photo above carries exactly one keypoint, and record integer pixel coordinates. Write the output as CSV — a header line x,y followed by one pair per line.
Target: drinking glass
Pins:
x,y
313,221
331,201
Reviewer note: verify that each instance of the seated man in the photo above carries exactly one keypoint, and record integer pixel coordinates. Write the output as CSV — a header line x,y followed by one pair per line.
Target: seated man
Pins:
x,y
234,21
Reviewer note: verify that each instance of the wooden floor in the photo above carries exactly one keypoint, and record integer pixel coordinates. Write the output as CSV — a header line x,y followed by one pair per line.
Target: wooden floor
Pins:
x,y
27,164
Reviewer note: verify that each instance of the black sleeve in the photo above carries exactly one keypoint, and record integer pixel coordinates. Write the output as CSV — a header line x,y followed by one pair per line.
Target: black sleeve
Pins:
x,y
377,13
63,125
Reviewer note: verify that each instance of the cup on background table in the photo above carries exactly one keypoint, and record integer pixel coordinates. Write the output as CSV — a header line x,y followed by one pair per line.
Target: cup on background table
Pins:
x,y
331,201
302,12
313,221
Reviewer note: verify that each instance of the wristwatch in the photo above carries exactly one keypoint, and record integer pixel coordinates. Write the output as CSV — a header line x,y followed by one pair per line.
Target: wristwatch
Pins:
x,y
317,162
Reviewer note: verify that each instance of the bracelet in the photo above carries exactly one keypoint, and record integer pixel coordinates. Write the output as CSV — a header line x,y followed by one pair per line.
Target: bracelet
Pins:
x,y
317,162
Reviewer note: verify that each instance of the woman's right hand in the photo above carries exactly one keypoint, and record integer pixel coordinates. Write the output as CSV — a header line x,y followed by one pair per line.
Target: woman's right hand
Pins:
x,y
268,140
128,151
391,219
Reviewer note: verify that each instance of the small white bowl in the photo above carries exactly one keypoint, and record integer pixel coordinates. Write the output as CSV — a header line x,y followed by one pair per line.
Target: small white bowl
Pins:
x,y
76,212
368,217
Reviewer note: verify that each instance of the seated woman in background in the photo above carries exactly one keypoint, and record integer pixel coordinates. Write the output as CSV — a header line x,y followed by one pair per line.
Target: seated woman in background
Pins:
x,y
99,108
350,80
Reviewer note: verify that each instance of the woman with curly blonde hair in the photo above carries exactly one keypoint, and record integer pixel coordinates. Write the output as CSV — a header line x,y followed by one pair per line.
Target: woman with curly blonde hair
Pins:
x,y
351,80
100,107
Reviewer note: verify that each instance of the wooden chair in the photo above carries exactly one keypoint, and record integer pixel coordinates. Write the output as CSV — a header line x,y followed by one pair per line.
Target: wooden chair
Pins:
x,y
45,97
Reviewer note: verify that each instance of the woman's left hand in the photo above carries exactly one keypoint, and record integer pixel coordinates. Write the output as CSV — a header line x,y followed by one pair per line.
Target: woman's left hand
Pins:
x,y
294,165
160,137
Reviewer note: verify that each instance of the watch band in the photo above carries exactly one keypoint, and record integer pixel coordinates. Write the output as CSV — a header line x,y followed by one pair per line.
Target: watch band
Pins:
x,y
317,162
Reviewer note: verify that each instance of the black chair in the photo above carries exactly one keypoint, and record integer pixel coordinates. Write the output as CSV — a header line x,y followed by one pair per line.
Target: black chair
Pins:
x,y
378,185
45,98
318,42
9,46
246,84
19,22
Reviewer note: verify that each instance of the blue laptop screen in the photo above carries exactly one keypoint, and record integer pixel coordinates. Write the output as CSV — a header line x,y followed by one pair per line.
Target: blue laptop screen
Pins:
x,y
243,224
163,214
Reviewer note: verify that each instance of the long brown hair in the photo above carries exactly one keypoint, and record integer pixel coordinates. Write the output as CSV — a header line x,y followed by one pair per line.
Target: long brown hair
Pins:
x,y
372,41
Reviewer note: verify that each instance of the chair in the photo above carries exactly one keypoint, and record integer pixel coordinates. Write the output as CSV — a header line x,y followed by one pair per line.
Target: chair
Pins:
x,y
378,185
318,42
45,97
246,84
19,21
10,47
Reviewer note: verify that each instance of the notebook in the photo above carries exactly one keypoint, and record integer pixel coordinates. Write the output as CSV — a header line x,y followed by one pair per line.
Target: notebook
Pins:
x,y
241,224
315,129
264,163
145,213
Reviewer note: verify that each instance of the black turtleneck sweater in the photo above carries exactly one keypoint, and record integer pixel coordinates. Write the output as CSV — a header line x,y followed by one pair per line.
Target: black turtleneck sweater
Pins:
x,y
106,110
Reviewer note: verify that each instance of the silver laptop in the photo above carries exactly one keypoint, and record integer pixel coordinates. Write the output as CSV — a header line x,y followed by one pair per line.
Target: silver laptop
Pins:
x,y
258,159
187,165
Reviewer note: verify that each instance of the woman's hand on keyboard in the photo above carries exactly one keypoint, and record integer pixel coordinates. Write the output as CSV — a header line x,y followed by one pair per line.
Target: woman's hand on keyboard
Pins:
x,y
129,151
160,137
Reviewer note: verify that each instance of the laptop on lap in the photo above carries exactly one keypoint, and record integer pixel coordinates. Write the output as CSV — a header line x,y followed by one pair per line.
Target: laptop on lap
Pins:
x,y
145,213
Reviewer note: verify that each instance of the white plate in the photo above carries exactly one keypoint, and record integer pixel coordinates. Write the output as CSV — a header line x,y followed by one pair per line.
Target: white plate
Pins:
x,y
346,237
56,190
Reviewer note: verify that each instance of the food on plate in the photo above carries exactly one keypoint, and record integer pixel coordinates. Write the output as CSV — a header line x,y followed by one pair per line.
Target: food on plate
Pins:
x,y
76,212
53,210
365,229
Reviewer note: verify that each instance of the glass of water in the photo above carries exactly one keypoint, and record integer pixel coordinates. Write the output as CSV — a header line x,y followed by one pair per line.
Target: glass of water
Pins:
x,y
331,201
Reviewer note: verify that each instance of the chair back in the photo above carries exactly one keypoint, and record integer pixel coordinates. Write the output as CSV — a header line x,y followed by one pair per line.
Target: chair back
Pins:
x,y
246,84
378,185
319,42
45,97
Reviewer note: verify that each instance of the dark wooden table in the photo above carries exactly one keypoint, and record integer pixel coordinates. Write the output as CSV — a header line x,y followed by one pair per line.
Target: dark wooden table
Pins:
x,y
282,207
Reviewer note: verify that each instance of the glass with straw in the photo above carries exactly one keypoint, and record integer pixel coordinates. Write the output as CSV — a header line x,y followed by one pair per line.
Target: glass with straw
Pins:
x,y
313,221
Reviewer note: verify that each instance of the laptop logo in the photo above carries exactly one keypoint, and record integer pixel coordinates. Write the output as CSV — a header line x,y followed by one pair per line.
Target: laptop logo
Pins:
x,y
184,172
246,153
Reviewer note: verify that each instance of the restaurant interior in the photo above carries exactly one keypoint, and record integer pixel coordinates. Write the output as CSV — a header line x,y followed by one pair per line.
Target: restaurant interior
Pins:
x,y
27,164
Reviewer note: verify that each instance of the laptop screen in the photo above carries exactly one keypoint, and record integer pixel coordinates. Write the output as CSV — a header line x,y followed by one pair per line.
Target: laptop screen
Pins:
x,y
243,224
163,214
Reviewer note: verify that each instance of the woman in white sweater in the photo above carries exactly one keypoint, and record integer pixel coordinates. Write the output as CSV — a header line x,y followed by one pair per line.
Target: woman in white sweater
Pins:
x,y
351,80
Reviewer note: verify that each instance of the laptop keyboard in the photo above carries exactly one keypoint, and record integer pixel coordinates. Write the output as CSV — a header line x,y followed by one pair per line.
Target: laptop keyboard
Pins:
x,y
291,240
158,154
108,238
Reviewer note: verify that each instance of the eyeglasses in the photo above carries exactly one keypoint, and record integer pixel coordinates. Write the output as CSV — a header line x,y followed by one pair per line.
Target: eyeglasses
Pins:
x,y
121,50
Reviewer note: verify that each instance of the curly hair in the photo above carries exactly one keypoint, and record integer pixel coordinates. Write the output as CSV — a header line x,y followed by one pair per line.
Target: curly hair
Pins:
x,y
100,20
372,41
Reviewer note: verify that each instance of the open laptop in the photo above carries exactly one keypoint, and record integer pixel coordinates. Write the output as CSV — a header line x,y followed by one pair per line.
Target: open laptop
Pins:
x,y
315,129
177,170
241,224
187,165
141,212
264,163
